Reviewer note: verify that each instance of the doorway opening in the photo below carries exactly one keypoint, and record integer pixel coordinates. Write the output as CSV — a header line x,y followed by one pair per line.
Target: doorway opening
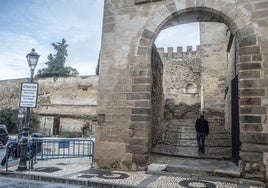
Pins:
x,y
196,78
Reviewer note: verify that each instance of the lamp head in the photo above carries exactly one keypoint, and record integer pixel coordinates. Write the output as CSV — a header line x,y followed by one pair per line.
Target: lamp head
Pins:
x,y
32,59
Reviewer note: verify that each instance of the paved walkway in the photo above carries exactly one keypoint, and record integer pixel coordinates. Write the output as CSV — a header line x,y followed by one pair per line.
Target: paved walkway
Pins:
x,y
78,171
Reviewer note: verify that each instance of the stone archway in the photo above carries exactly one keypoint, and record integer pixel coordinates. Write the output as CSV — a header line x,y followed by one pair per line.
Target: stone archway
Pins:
x,y
124,96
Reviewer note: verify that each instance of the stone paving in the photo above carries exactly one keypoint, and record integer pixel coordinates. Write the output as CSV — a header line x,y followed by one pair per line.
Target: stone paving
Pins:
x,y
78,171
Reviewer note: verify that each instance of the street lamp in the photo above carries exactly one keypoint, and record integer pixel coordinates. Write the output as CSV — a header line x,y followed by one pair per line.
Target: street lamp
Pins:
x,y
32,59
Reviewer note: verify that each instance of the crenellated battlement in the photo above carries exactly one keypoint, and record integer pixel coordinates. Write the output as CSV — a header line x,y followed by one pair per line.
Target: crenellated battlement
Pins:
x,y
172,54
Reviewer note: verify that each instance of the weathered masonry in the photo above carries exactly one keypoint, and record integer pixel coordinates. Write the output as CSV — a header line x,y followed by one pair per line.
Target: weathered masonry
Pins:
x,y
130,27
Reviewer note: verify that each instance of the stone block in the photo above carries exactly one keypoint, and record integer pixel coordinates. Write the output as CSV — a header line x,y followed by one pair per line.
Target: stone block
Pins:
x,y
139,125
250,101
112,155
265,72
247,41
251,127
261,5
137,149
190,3
144,42
142,104
157,19
108,27
164,12
265,158
138,96
252,92
171,8
141,73
226,8
245,58
249,50
148,34
141,159
265,101
259,14
256,138
255,176
156,168
143,50
145,111
251,156
250,66
246,31
249,74
257,57
264,83
138,141
141,132
119,96
141,88
250,119
253,110
250,83
121,119
140,118
200,3
254,147
142,80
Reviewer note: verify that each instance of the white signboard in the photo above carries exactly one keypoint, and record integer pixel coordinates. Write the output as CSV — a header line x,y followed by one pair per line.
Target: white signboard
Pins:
x,y
28,95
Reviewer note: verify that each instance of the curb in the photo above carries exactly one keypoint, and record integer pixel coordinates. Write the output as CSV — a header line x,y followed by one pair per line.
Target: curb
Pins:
x,y
63,180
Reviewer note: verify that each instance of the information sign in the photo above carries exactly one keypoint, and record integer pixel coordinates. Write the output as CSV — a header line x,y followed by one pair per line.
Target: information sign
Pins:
x,y
28,95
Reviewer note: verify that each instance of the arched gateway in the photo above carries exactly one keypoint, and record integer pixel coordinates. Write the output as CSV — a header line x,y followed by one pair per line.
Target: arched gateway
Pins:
x,y
124,131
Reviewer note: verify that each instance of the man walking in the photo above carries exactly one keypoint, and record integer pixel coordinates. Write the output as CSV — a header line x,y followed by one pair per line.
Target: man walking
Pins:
x,y
202,130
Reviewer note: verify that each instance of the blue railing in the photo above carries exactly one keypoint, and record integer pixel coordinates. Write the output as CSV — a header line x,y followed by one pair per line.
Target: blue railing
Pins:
x,y
52,148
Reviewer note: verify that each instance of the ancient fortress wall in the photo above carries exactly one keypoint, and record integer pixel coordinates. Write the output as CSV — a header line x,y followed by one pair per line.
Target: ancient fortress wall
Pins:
x,y
181,77
72,100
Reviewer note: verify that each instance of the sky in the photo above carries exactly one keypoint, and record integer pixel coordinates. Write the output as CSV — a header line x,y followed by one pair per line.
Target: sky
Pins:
x,y
27,24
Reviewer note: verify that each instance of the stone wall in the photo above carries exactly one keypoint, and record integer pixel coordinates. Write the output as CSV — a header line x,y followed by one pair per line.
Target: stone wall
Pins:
x,y
129,31
158,99
10,92
181,78
72,99
214,42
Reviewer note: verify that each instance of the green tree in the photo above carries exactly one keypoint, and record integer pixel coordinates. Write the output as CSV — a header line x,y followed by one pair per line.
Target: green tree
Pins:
x,y
9,118
56,63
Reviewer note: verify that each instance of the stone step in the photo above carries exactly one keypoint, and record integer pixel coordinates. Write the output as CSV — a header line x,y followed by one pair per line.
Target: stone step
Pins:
x,y
180,140
192,129
193,142
168,164
192,151
181,135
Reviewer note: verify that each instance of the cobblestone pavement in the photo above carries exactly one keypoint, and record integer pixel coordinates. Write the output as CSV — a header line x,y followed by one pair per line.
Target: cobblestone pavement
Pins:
x,y
19,183
78,172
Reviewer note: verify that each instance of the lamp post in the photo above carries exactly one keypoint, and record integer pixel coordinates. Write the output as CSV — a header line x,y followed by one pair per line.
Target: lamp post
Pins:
x,y
32,59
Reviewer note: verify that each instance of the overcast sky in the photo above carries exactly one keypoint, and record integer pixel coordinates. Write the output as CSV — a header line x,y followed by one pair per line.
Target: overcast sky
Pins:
x,y
27,24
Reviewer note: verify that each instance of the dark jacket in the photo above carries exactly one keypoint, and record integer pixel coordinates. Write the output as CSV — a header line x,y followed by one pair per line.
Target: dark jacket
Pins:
x,y
201,125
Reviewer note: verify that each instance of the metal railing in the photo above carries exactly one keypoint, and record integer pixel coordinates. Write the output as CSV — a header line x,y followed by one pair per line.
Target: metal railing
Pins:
x,y
51,148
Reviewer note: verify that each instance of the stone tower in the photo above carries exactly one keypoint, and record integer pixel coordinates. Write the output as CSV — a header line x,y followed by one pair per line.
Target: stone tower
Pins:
x,y
123,134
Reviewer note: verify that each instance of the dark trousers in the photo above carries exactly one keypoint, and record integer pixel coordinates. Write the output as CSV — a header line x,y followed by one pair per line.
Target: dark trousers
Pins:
x,y
200,137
